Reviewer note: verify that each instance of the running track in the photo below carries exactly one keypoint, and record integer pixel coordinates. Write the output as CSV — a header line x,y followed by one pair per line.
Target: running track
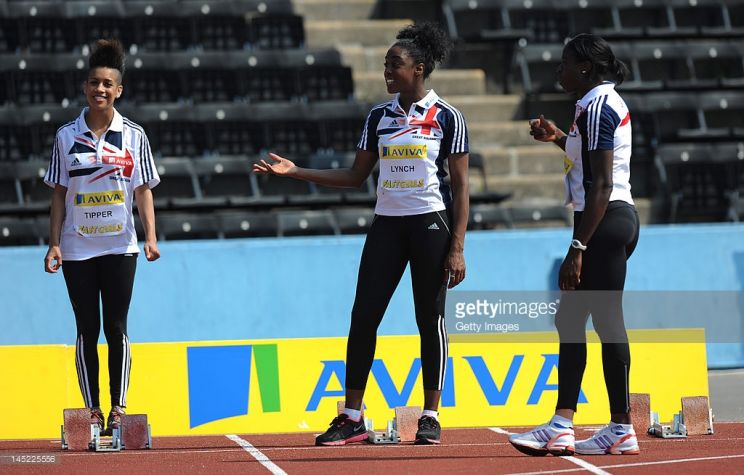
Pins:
x,y
461,451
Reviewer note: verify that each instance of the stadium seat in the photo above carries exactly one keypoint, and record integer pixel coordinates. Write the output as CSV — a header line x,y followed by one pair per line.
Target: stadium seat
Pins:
x,y
277,31
239,224
177,181
309,222
10,190
540,213
698,179
489,216
354,220
30,176
226,177
18,232
176,226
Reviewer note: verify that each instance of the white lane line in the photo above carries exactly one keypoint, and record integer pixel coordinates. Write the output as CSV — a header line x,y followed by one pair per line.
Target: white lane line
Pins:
x,y
499,430
637,464
586,465
257,454
581,463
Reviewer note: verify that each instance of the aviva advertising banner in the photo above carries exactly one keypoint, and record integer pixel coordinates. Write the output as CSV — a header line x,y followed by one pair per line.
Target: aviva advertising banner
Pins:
x,y
292,385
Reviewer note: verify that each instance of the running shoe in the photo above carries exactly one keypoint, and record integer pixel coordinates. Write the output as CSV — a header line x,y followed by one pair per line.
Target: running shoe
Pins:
x,y
429,431
611,439
554,437
343,431
114,420
96,418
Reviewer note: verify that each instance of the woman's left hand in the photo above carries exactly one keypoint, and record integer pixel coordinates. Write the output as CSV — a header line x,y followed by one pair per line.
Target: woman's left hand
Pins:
x,y
151,251
569,277
454,269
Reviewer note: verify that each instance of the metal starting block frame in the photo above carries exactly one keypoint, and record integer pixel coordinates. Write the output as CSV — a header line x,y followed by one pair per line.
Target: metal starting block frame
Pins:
x,y
101,443
401,429
390,436
676,430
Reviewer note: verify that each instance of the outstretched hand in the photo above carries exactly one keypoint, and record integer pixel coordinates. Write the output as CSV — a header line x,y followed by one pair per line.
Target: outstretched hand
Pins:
x,y
543,130
279,166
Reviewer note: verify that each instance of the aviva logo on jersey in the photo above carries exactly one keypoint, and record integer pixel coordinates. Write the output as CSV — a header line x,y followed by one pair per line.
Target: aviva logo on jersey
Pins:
x,y
99,199
403,151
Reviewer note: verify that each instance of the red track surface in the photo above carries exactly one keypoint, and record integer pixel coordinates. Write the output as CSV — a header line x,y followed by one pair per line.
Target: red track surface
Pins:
x,y
461,451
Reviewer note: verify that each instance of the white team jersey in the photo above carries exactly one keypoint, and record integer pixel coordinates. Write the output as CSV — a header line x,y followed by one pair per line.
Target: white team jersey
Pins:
x,y
412,147
100,176
601,122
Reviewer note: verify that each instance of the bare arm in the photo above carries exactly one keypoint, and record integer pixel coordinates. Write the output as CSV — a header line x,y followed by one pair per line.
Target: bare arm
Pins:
x,y
544,131
595,206
352,177
455,264
146,209
53,258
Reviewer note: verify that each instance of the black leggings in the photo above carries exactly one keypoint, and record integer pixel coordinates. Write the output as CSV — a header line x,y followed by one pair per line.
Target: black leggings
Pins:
x,y
603,269
392,242
111,277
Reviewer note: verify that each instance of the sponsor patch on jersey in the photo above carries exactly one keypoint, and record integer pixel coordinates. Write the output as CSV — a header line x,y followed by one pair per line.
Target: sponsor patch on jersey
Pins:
x,y
394,152
402,184
100,198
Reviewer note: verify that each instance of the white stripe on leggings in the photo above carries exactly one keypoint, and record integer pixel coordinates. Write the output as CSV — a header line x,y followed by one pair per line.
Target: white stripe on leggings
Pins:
x,y
443,350
125,367
83,372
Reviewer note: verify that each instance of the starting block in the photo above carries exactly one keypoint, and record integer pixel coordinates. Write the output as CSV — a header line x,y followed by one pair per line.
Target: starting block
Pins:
x,y
640,411
697,415
79,434
402,428
135,432
77,431
696,418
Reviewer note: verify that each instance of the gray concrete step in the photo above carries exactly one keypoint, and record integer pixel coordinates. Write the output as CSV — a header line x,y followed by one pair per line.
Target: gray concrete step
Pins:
x,y
333,33
503,133
364,58
313,10
522,159
370,86
490,107
523,187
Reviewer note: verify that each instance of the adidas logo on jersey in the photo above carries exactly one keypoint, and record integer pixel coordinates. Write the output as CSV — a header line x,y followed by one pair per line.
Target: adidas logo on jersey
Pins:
x,y
433,226
75,162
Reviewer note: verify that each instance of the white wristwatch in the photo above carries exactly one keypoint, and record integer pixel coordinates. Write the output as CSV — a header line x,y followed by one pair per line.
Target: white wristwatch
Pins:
x,y
576,244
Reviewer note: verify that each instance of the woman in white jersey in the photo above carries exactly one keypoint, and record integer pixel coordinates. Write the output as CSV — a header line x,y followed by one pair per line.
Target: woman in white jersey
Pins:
x,y
101,161
592,277
419,219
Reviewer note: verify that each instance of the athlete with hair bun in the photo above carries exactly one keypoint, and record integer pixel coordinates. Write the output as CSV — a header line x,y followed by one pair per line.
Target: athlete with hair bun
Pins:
x,y
419,219
606,228
101,161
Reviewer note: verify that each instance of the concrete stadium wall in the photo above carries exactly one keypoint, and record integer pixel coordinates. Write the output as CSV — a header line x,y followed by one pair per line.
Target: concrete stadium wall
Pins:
x,y
304,287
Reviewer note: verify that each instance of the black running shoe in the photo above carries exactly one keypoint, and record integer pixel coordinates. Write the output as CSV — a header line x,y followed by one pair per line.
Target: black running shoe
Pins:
x,y
429,431
114,420
343,431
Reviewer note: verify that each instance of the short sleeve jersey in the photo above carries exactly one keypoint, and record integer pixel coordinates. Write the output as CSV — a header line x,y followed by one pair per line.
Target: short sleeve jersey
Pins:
x,y
100,175
412,147
601,122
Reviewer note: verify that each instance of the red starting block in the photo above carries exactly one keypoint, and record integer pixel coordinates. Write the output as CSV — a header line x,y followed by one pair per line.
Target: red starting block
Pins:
x,y
135,432
77,430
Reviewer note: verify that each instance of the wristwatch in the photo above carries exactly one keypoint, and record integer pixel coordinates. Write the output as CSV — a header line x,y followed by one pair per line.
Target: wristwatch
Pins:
x,y
576,244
